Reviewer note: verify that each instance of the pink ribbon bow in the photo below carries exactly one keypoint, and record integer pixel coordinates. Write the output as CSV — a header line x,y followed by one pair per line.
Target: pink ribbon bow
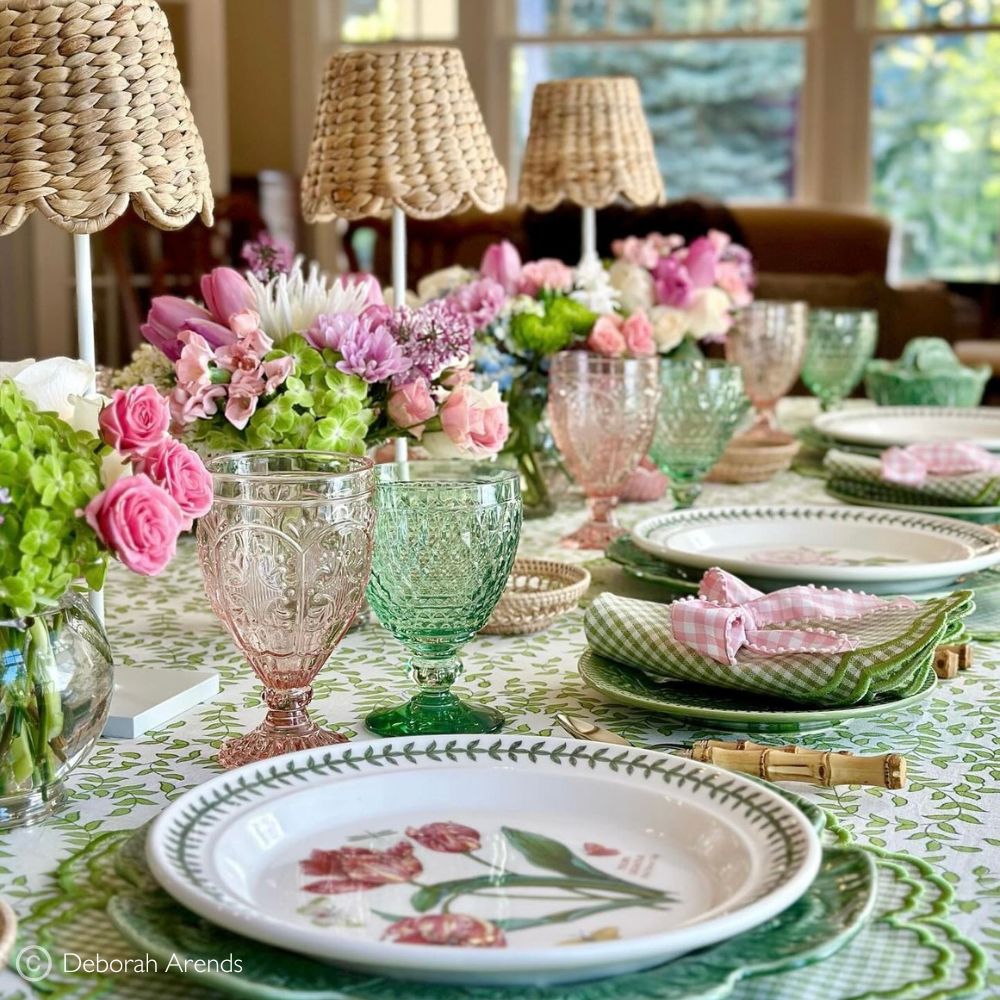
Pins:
x,y
728,614
912,465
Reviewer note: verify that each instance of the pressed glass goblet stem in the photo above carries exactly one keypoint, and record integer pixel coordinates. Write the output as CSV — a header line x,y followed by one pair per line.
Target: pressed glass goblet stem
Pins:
x,y
684,492
601,528
434,709
285,728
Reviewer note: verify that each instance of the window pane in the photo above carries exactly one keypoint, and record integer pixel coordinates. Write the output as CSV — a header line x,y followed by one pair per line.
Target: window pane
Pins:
x,y
936,149
539,17
924,13
724,114
405,20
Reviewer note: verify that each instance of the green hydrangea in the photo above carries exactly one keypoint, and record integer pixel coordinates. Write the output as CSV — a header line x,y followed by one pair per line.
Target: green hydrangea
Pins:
x,y
50,473
318,407
564,321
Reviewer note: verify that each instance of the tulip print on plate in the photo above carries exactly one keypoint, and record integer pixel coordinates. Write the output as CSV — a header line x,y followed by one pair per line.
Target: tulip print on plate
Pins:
x,y
457,885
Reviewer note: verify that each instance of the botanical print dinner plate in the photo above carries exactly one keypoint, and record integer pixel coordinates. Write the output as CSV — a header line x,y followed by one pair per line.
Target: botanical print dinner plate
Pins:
x,y
733,711
484,859
880,551
885,426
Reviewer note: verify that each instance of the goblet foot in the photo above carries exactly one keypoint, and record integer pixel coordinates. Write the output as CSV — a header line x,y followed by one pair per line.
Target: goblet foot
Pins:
x,y
268,741
429,713
593,535
685,494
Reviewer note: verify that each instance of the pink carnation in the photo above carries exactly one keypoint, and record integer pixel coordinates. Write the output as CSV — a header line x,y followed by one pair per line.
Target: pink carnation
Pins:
x,y
546,274
182,474
607,338
135,420
139,521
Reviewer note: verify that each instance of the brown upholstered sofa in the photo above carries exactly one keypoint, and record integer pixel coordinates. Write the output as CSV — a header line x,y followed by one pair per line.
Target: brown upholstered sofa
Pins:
x,y
826,257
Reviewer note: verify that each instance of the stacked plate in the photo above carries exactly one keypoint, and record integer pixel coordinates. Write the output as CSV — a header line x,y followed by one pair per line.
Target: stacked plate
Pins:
x,y
856,438
484,862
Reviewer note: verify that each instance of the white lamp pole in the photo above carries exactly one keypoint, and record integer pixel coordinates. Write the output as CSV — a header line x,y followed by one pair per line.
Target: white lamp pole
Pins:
x,y
588,235
86,348
399,290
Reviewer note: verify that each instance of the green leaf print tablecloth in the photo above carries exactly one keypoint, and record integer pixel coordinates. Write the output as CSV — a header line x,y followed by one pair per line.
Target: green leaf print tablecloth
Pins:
x,y
948,817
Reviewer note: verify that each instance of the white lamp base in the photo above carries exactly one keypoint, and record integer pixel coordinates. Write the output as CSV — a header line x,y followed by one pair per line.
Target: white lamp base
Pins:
x,y
144,699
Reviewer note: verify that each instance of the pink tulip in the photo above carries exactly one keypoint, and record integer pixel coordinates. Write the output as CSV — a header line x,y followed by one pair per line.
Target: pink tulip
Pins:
x,y
502,263
167,317
226,292
215,334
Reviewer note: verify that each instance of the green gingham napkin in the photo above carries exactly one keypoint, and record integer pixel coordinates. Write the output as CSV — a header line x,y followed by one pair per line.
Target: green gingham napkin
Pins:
x,y
974,489
894,657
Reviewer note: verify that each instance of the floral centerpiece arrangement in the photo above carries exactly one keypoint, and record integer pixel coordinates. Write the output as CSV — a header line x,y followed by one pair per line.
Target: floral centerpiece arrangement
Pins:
x,y
689,291
283,358
524,312
82,478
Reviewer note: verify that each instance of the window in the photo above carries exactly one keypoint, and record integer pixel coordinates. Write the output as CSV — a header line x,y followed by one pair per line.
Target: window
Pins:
x,y
936,134
764,100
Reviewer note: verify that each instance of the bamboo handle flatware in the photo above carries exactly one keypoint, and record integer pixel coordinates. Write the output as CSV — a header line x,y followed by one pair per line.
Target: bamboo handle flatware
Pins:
x,y
774,763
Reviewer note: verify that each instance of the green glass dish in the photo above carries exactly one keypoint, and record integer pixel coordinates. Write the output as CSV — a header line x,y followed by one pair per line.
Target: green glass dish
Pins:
x,y
841,342
733,711
701,404
927,374
445,538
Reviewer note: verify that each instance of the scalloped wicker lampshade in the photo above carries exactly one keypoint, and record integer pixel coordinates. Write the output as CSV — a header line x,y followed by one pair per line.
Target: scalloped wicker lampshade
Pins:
x,y
93,116
399,128
589,143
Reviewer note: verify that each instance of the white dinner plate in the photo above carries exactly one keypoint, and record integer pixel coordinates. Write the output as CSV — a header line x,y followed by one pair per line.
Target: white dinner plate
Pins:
x,y
484,859
885,426
880,551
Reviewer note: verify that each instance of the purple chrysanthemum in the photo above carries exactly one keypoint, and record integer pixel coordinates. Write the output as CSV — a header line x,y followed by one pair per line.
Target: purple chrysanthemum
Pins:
x,y
370,351
267,256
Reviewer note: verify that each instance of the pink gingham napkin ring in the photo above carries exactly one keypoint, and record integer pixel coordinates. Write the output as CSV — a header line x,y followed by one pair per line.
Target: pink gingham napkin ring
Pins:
x,y
728,614
910,466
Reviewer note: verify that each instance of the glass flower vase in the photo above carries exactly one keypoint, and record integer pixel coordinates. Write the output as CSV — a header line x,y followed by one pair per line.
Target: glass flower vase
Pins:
x,y
55,695
526,400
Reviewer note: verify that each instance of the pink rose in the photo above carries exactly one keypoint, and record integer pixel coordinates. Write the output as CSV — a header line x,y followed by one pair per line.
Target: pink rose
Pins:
x,y
182,474
638,333
547,274
135,420
410,405
729,274
700,262
226,292
451,838
502,263
607,338
475,422
139,521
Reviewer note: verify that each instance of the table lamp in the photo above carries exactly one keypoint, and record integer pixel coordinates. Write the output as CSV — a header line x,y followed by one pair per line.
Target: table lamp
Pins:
x,y
398,132
588,143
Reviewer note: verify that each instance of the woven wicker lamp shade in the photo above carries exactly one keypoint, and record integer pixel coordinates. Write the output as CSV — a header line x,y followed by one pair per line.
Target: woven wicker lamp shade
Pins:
x,y
399,128
589,143
93,116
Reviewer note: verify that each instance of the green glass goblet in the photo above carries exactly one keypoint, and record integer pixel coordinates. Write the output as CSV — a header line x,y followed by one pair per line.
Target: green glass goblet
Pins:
x,y
445,538
841,342
701,404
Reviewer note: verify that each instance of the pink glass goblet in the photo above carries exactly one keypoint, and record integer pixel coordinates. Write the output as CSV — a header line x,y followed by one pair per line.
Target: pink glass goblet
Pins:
x,y
603,413
768,341
286,551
